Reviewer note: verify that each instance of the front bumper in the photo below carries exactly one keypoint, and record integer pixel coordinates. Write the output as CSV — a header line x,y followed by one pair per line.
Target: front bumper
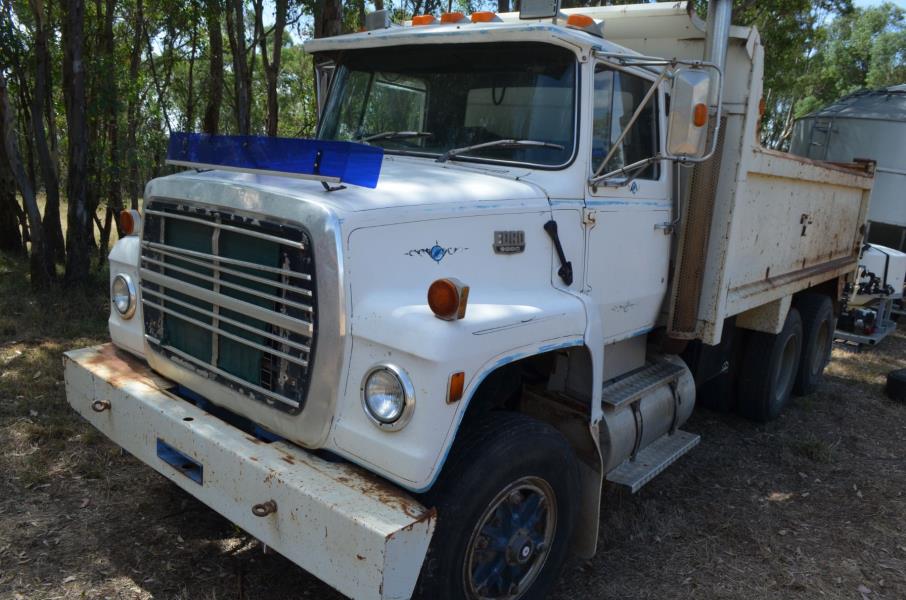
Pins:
x,y
351,529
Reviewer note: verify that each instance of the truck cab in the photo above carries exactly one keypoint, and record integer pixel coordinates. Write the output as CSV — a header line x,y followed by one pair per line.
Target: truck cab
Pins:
x,y
432,374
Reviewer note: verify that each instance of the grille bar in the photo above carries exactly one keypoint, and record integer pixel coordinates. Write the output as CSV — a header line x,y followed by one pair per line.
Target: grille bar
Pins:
x,y
211,315
222,283
209,367
227,334
253,310
214,266
224,227
181,252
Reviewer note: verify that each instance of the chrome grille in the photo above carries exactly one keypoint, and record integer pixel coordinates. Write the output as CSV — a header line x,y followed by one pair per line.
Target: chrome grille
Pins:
x,y
231,296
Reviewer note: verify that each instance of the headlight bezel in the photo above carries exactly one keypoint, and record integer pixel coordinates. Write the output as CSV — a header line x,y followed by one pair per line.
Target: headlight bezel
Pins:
x,y
408,397
132,296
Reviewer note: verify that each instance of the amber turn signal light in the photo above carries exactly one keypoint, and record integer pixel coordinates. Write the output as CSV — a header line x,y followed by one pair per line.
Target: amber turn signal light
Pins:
x,y
579,21
447,299
130,222
422,19
700,114
452,17
457,382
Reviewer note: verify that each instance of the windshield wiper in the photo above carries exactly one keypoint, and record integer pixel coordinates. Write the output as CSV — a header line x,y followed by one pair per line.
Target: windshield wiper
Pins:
x,y
504,143
395,135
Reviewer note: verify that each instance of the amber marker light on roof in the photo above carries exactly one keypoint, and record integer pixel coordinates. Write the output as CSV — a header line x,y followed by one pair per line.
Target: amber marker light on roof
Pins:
x,y
452,17
447,299
579,21
422,19
484,16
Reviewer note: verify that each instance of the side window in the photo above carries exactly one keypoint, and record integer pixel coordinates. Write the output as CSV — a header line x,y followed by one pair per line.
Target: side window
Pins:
x,y
616,97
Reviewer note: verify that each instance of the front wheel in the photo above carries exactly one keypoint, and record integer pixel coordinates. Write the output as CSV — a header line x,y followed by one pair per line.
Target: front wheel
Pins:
x,y
506,505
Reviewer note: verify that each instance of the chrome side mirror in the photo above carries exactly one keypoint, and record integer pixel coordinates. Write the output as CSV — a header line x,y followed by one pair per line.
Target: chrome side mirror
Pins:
x,y
687,127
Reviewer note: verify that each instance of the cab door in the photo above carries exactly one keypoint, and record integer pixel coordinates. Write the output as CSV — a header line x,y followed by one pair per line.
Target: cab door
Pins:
x,y
628,244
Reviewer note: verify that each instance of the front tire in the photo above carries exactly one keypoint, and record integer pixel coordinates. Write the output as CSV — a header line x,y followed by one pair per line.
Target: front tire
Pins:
x,y
769,368
506,503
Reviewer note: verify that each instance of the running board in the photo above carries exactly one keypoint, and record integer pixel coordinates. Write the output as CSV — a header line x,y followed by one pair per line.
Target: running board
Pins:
x,y
636,386
652,460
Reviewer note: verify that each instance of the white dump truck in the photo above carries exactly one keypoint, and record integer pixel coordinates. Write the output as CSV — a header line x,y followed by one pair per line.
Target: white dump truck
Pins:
x,y
408,354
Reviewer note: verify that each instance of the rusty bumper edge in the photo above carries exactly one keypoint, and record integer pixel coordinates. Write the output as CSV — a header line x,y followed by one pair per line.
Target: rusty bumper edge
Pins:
x,y
359,534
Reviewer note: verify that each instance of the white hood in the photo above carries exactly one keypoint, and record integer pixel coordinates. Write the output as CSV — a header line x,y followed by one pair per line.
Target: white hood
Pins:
x,y
404,182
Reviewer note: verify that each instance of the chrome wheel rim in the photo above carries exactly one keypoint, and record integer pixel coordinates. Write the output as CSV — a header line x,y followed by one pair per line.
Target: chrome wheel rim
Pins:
x,y
511,541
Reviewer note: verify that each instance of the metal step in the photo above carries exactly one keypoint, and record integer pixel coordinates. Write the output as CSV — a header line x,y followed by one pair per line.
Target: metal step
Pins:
x,y
653,459
629,389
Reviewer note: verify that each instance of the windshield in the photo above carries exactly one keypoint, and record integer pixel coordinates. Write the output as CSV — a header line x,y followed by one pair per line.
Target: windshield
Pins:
x,y
430,99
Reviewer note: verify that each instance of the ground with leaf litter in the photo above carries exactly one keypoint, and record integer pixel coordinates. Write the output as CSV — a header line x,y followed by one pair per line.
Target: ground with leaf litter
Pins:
x,y
811,506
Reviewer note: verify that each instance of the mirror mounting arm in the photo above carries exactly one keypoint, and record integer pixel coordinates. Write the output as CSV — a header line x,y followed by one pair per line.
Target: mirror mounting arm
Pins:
x,y
630,172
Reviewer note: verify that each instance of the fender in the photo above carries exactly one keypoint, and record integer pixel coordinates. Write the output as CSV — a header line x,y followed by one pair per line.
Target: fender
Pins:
x,y
495,332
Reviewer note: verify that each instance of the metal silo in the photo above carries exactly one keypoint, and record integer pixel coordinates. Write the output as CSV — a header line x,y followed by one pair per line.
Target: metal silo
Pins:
x,y
866,124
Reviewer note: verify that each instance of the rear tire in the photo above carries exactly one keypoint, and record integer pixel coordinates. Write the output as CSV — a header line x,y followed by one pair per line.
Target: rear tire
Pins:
x,y
818,323
768,371
506,504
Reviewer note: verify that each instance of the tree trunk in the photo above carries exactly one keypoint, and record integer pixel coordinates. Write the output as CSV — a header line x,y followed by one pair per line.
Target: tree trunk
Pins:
x,y
114,189
78,260
211,122
271,67
503,6
378,4
235,18
329,18
42,267
10,234
135,61
190,84
52,227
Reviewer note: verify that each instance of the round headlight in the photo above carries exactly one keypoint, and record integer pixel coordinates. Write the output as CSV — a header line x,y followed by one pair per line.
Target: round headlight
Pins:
x,y
122,295
388,397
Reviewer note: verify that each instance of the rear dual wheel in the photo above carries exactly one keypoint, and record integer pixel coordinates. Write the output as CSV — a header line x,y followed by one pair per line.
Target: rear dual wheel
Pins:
x,y
792,361
769,369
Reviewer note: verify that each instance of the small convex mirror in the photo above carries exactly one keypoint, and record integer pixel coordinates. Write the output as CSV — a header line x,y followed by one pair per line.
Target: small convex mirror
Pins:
x,y
688,124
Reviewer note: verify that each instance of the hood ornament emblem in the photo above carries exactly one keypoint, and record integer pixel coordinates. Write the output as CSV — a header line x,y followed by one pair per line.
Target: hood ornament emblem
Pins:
x,y
436,252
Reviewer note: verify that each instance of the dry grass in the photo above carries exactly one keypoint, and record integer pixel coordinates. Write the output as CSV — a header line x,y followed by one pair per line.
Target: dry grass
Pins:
x,y
811,506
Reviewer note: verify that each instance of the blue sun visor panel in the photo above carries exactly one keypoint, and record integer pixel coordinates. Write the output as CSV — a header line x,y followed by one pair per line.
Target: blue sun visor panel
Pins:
x,y
323,160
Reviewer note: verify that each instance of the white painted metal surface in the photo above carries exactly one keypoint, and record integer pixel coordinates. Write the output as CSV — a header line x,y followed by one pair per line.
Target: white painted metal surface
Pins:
x,y
345,526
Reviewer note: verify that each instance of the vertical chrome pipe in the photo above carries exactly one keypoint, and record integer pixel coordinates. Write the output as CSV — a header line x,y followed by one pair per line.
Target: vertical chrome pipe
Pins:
x,y
717,37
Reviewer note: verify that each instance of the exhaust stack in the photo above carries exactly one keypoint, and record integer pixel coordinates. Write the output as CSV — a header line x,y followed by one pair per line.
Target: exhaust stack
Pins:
x,y
720,16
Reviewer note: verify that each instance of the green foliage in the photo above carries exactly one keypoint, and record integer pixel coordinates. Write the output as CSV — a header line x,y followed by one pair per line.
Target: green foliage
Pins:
x,y
865,48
